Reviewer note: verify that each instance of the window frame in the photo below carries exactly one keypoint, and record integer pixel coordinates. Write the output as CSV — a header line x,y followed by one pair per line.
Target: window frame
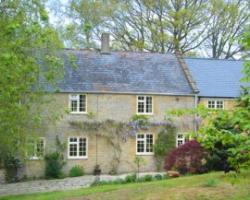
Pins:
x,y
144,153
77,143
216,104
35,143
145,105
78,104
183,140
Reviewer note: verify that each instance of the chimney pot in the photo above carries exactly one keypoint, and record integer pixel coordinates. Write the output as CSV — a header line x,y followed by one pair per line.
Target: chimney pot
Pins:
x,y
105,49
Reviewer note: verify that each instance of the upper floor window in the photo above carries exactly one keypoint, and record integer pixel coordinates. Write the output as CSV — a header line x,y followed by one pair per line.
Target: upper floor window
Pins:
x,y
215,104
77,147
144,105
78,103
36,148
144,144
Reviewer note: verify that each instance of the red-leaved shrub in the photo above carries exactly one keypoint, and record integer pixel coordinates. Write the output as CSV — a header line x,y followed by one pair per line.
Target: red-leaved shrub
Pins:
x,y
187,158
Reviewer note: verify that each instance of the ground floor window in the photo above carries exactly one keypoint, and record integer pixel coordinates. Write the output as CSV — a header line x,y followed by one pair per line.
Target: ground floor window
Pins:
x,y
144,143
36,149
77,147
181,139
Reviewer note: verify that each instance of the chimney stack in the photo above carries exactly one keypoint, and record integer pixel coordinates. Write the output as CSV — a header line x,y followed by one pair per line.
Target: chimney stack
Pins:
x,y
105,43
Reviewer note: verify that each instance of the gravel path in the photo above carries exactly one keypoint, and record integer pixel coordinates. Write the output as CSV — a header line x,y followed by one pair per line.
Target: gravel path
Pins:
x,y
57,185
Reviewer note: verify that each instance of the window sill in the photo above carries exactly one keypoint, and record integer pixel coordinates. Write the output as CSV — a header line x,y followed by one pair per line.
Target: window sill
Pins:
x,y
78,113
35,158
77,158
144,113
144,154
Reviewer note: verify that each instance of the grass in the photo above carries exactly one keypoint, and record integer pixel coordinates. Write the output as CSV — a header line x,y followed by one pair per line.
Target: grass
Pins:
x,y
216,186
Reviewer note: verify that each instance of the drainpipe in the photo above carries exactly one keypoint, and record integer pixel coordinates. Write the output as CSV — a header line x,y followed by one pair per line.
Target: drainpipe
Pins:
x,y
195,116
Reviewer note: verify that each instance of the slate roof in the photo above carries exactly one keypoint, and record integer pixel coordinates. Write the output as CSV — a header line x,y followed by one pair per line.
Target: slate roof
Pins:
x,y
125,72
216,77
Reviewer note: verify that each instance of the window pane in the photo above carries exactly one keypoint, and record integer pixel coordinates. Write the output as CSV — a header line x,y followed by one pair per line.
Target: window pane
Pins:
x,y
149,143
140,107
73,139
211,104
73,149
140,98
82,103
82,147
73,105
219,104
141,136
40,148
140,146
149,105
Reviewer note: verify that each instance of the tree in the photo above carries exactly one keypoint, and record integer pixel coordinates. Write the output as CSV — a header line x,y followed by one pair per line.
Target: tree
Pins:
x,y
29,64
227,23
87,17
159,26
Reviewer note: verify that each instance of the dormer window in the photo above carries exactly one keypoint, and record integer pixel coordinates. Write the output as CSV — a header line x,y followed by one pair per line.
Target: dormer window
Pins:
x,y
144,105
78,103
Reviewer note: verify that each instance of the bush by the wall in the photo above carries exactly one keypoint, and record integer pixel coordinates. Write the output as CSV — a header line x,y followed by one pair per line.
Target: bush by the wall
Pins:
x,y
54,164
187,158
11,166
76,171
130,178
164,143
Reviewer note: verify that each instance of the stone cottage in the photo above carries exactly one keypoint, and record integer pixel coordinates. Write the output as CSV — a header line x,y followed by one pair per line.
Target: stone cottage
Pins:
x,y
109,89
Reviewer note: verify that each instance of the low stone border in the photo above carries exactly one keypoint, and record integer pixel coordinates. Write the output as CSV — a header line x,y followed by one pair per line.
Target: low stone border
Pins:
x,y
60,184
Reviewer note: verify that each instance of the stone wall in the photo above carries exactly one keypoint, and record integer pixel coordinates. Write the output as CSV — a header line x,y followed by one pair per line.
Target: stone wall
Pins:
x,y
115,107
229,103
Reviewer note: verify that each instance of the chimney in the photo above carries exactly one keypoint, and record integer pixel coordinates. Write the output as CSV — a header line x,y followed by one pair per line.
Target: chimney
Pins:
x,y
105,43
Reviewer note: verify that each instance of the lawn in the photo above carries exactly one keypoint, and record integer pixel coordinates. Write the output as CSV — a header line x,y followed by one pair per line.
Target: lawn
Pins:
x,y
212,186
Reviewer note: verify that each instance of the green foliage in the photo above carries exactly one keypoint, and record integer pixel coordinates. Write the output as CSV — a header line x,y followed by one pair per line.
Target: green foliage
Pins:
x,y
130,178
164,143
76,171
142,120
28,56
146,178
139,161
54,164
12,165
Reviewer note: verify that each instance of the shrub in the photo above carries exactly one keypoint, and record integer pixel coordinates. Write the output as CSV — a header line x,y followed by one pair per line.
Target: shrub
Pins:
x,y
130,178
76,171
54,164
187,158
158,177
163,144
147,178
12,165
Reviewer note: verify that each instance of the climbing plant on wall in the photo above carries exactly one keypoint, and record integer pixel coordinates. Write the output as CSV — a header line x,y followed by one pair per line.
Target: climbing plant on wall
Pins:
x,y
164,143
117,132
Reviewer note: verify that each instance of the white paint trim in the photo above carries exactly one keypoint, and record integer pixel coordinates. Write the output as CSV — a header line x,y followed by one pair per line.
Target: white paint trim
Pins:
x,y
78,102
35,149
145,101
145,138
77,143
215,103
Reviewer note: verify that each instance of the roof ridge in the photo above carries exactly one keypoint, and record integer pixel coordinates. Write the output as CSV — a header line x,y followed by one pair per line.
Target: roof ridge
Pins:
x,y
187,73
220,59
